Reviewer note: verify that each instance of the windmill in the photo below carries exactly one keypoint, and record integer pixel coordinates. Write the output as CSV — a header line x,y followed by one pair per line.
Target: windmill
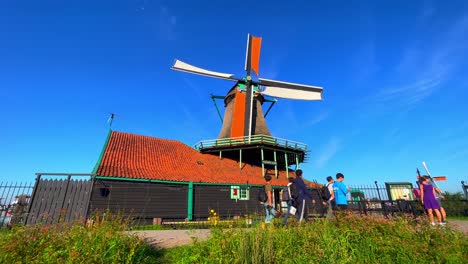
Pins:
x,y
243,115
244,126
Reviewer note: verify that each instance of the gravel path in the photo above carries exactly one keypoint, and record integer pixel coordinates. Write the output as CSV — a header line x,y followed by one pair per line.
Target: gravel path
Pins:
x,y
174,238
461,225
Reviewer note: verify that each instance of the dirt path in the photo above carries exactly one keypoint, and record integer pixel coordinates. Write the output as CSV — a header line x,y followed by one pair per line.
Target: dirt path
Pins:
x,y
461,225
174,238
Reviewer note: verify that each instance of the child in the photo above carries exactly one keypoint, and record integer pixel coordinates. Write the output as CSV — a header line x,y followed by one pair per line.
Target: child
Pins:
x,y
428,199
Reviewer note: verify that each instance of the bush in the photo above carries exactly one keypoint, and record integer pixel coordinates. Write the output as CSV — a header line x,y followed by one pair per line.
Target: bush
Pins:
x,y
350,239
101,242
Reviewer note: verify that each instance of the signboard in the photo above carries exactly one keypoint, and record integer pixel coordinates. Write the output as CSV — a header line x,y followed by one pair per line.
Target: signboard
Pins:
x,y
400,191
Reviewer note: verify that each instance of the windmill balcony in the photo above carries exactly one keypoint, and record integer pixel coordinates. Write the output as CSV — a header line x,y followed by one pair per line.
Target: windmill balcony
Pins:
x,y
250,141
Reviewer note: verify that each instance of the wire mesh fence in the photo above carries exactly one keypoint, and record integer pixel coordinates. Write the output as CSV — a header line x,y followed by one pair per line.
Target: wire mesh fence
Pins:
x,y
14,200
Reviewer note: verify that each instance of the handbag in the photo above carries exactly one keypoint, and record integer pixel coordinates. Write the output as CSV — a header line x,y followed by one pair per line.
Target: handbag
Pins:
x,y
292,210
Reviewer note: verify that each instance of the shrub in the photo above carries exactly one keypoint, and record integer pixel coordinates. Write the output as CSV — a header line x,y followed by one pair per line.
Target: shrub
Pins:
x,y
351,239
101,242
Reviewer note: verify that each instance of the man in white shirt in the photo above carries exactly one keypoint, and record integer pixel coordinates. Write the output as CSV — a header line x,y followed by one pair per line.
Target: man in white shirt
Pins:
x,y
331,202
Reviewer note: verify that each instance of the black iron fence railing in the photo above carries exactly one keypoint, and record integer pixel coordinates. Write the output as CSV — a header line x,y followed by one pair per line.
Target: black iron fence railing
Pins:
x,y
21,204
14,200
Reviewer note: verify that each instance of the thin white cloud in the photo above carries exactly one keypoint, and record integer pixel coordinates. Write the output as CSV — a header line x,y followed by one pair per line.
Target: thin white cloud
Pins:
x,y
328,151
315,119
425,70
167,23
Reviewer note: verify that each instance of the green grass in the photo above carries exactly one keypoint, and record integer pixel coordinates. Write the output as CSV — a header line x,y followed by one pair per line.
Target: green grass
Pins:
x,y
102,242
352,239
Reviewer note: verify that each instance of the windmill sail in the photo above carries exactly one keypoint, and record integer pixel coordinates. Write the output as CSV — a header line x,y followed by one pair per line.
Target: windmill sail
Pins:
x,y
252,54
291,90
243,115
185,67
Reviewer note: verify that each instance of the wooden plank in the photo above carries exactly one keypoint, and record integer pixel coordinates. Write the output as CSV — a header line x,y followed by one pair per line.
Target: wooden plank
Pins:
x,y
44,201
50,202
35,204
78,209
87,187
59,196
72,190
78,186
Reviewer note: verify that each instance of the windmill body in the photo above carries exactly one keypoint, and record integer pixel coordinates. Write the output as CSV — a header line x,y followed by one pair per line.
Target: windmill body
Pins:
x,y
244,134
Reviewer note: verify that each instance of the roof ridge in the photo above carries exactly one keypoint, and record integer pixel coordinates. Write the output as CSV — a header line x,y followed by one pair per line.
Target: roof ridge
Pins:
x,y
150,137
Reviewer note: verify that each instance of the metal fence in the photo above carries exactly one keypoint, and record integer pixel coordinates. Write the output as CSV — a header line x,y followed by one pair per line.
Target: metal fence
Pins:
x,y
14,200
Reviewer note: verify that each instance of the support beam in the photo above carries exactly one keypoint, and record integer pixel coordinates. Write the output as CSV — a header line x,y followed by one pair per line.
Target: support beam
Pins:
x,y
190,202
263,166
213,97
276,164
269,108
297,162
220,154
240,158
286,163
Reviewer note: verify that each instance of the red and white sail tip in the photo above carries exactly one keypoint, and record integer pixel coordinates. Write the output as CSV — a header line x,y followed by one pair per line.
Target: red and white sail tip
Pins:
x,y
252,54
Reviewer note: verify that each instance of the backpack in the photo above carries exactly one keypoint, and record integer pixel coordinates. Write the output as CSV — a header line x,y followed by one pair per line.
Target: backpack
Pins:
x,y
293,191
262,195
285,195
325,193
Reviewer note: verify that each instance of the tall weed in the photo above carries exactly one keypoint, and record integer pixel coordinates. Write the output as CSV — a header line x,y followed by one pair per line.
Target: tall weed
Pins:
x,y
101,242
350,239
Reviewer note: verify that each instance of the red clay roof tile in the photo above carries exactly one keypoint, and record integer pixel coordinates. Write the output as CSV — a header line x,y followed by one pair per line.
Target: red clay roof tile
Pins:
x,y
143,157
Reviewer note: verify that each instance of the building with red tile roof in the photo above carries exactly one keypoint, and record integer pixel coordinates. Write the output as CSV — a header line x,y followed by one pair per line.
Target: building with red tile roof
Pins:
x,y
142,157
160,178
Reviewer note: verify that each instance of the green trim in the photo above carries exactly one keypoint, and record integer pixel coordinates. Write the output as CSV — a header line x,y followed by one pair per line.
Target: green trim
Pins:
x,y
102,152
138,180
183,183
190,202
214,97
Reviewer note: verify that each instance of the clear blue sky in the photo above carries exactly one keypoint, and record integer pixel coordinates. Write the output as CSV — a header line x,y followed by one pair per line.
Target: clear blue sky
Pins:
x,y
395,78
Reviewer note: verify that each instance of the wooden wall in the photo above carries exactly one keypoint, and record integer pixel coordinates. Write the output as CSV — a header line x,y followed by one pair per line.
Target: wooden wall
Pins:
x,y
219,199
144,201
140,200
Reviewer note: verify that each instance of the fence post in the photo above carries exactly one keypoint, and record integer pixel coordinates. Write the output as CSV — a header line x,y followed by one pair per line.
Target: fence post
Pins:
x,y
382,203
93,180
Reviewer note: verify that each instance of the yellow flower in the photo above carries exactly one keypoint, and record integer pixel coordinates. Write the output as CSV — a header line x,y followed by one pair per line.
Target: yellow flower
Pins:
x,y
212,211
209,218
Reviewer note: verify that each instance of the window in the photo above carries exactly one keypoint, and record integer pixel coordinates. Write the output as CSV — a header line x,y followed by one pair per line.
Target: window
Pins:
x,y
244,194
239,193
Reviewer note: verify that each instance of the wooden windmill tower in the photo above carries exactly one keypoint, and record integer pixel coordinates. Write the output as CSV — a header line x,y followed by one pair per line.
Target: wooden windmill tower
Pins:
x,y
244,134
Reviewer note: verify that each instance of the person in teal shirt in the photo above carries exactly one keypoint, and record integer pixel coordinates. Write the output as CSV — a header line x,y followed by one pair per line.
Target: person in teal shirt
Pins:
x,y
340,191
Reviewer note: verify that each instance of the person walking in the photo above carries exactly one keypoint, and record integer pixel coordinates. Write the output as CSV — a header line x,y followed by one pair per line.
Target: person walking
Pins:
x,y
303,197
330,203
292,194
340,190
428,199
439,198
270,211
